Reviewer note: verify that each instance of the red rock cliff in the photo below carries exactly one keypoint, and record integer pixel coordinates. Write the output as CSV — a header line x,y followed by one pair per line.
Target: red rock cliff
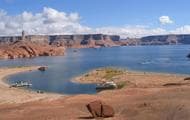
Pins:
x,y
28,49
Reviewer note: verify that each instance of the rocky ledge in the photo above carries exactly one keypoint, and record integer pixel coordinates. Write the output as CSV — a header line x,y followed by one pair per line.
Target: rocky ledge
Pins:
x,y
28,49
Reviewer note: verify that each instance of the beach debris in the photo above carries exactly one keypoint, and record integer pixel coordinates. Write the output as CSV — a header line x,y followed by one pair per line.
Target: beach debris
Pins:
x,y
21,84
106,86
42,68
99,109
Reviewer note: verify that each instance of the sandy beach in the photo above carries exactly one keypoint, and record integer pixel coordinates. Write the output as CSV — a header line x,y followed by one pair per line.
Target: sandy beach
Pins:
x,y
144,96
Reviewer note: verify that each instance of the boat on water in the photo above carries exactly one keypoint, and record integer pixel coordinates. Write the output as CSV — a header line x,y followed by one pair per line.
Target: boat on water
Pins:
x,y
106,86
21,84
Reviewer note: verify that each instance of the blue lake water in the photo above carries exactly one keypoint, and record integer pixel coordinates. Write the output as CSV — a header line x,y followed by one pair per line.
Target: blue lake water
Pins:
x,y
166,59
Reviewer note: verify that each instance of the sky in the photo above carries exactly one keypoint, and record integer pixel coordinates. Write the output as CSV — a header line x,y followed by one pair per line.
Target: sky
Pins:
x,y
127,18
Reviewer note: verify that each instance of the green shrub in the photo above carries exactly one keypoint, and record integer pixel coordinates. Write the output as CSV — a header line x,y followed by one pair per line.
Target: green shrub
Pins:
x,y
121,84
110,73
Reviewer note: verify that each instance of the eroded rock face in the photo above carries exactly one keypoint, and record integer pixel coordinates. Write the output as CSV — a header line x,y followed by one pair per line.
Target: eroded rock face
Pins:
x,y
85,41
100,109
69,41
28,49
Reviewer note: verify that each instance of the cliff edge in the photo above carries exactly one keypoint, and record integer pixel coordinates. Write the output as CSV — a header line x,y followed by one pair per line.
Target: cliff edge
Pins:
x,y
28,49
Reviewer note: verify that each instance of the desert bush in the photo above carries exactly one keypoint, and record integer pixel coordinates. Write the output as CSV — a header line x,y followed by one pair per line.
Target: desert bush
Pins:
x,y
121,84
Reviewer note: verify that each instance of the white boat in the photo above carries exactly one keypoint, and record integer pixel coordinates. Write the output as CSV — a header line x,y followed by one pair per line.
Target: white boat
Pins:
x,y
106,85
21,84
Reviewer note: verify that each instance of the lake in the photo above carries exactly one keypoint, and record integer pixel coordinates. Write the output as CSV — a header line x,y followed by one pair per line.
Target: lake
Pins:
x,y
62,69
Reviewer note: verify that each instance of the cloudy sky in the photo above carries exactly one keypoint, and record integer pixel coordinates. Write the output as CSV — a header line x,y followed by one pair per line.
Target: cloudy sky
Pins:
x,y
128,18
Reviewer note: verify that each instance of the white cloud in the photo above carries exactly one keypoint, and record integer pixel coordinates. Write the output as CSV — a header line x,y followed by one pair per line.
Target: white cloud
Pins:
x,y
51,21
130,31
165,20
182,30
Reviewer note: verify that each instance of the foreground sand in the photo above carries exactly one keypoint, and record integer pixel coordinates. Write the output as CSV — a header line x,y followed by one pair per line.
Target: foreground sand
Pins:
x,y
143,98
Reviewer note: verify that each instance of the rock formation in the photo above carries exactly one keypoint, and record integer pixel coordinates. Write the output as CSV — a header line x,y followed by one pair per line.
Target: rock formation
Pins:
x,y
68,41
49,45
100,109
28,49
161,40
43,68
84,41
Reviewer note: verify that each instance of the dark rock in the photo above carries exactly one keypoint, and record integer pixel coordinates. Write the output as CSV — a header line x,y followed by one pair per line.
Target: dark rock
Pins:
x,y
187,78
42,68
107,111
188,55
100,109
95,108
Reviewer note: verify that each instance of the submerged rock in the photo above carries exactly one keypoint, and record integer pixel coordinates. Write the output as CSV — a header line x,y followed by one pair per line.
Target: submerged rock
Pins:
x,y
188,55
42,68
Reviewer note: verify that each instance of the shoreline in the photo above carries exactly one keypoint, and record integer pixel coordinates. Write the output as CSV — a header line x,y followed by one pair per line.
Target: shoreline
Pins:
x,y
132,78
24,95
74,79
144,94
17,95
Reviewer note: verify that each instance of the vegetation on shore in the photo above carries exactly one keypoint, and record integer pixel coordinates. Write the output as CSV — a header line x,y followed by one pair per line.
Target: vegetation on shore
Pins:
x,y
104,75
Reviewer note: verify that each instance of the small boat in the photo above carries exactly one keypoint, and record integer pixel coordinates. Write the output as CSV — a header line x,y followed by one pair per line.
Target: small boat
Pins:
x,y
21,84
106,86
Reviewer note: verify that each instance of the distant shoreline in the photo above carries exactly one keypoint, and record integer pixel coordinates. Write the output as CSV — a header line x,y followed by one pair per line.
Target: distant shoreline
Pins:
x,y
122,75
